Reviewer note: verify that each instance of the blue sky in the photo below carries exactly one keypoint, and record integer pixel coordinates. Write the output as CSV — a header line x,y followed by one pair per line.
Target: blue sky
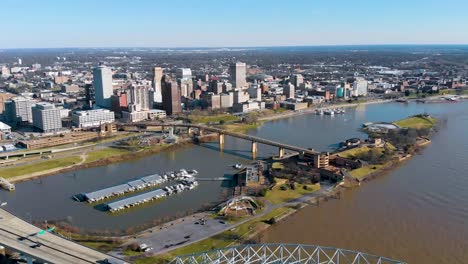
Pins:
x,y
215,23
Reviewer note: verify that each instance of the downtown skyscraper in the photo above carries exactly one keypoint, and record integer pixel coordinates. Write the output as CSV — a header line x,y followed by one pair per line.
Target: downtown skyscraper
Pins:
x,y
102,80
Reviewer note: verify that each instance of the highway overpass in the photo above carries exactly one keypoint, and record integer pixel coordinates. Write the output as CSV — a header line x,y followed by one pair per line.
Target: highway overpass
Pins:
x,y
20,236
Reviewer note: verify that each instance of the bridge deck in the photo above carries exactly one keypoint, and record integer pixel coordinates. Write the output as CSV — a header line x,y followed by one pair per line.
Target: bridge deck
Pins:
x,y
232,134
16,234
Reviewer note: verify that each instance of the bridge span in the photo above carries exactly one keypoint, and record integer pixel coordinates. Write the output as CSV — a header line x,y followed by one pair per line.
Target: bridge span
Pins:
x,y
19,236
222,133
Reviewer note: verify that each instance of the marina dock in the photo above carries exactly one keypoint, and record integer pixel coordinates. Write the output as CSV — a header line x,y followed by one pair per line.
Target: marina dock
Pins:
x,y
151,196
134,185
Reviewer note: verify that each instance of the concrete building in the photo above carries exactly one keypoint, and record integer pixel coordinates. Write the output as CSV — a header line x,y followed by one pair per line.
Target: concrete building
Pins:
x,y
213,100
5,73
157,76
119,102
248,106
227,87
321,160
297,80
216,86
46,117
102,86
240,96
360,87
186,87
255,92
289,90
170,96
92,118
238,74
19,110
155,114
184,73
227,100
139,98
72,88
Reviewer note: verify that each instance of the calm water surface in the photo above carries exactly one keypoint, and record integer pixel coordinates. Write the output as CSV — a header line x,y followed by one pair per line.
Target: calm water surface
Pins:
x,y
417,213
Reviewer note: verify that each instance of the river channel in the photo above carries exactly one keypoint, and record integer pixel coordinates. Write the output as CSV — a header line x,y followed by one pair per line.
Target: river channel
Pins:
x,y
417,213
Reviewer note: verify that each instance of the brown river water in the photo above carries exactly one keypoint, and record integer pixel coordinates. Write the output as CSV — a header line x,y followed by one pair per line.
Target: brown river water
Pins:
x,y
417,213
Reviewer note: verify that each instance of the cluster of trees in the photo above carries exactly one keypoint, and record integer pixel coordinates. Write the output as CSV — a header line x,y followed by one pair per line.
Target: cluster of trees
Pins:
x,y
376,156
405,137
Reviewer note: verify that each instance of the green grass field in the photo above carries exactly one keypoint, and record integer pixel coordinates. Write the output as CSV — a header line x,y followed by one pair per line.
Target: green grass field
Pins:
x,y
39,166
104,153
416,122
364,171
277,196
196,119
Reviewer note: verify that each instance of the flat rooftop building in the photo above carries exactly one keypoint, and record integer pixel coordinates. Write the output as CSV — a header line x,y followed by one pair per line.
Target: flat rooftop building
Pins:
x,y
92,118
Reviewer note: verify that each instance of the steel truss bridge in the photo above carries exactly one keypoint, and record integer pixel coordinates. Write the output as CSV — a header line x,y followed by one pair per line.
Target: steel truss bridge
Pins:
x,y
282,253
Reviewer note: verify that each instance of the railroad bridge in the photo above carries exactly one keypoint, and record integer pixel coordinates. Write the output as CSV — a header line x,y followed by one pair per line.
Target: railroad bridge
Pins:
x,y
221,136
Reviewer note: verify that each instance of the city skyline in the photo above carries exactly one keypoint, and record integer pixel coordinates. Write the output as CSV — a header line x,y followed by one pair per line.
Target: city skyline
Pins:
x,y
53,24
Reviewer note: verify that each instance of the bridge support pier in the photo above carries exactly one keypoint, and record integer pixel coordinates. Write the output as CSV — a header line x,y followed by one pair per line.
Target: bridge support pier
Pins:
x,y
280,153
221,141
254,149
301,155
190,130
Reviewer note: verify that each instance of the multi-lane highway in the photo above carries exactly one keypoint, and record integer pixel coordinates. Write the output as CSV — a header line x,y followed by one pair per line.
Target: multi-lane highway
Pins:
x,y
20,236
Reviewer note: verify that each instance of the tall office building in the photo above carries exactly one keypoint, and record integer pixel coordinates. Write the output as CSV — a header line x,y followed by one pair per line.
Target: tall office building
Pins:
x,y
186,87
289,90
170,96
139,98
184,73
360,87
103,86
238,74
297,80
18,110
255,92
157,75
46,117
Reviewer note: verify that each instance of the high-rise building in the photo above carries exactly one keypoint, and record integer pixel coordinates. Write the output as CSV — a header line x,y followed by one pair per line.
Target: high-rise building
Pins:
x,y
227,87
186,87
157,75
360,87
139,98
255,92
289,90
170,96
297,80
18,110
240,96
237,72
102,86
46,117
184,73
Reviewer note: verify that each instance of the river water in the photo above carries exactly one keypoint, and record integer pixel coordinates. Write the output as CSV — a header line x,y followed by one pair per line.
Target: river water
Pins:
x,y
417,213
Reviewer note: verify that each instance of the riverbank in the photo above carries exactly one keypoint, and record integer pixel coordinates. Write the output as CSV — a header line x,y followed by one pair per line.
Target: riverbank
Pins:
x,y
313,109
88,159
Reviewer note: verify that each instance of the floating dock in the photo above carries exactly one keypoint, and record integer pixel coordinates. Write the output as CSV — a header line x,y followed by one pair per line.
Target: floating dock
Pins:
x,y
134,185
151,196
7,185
